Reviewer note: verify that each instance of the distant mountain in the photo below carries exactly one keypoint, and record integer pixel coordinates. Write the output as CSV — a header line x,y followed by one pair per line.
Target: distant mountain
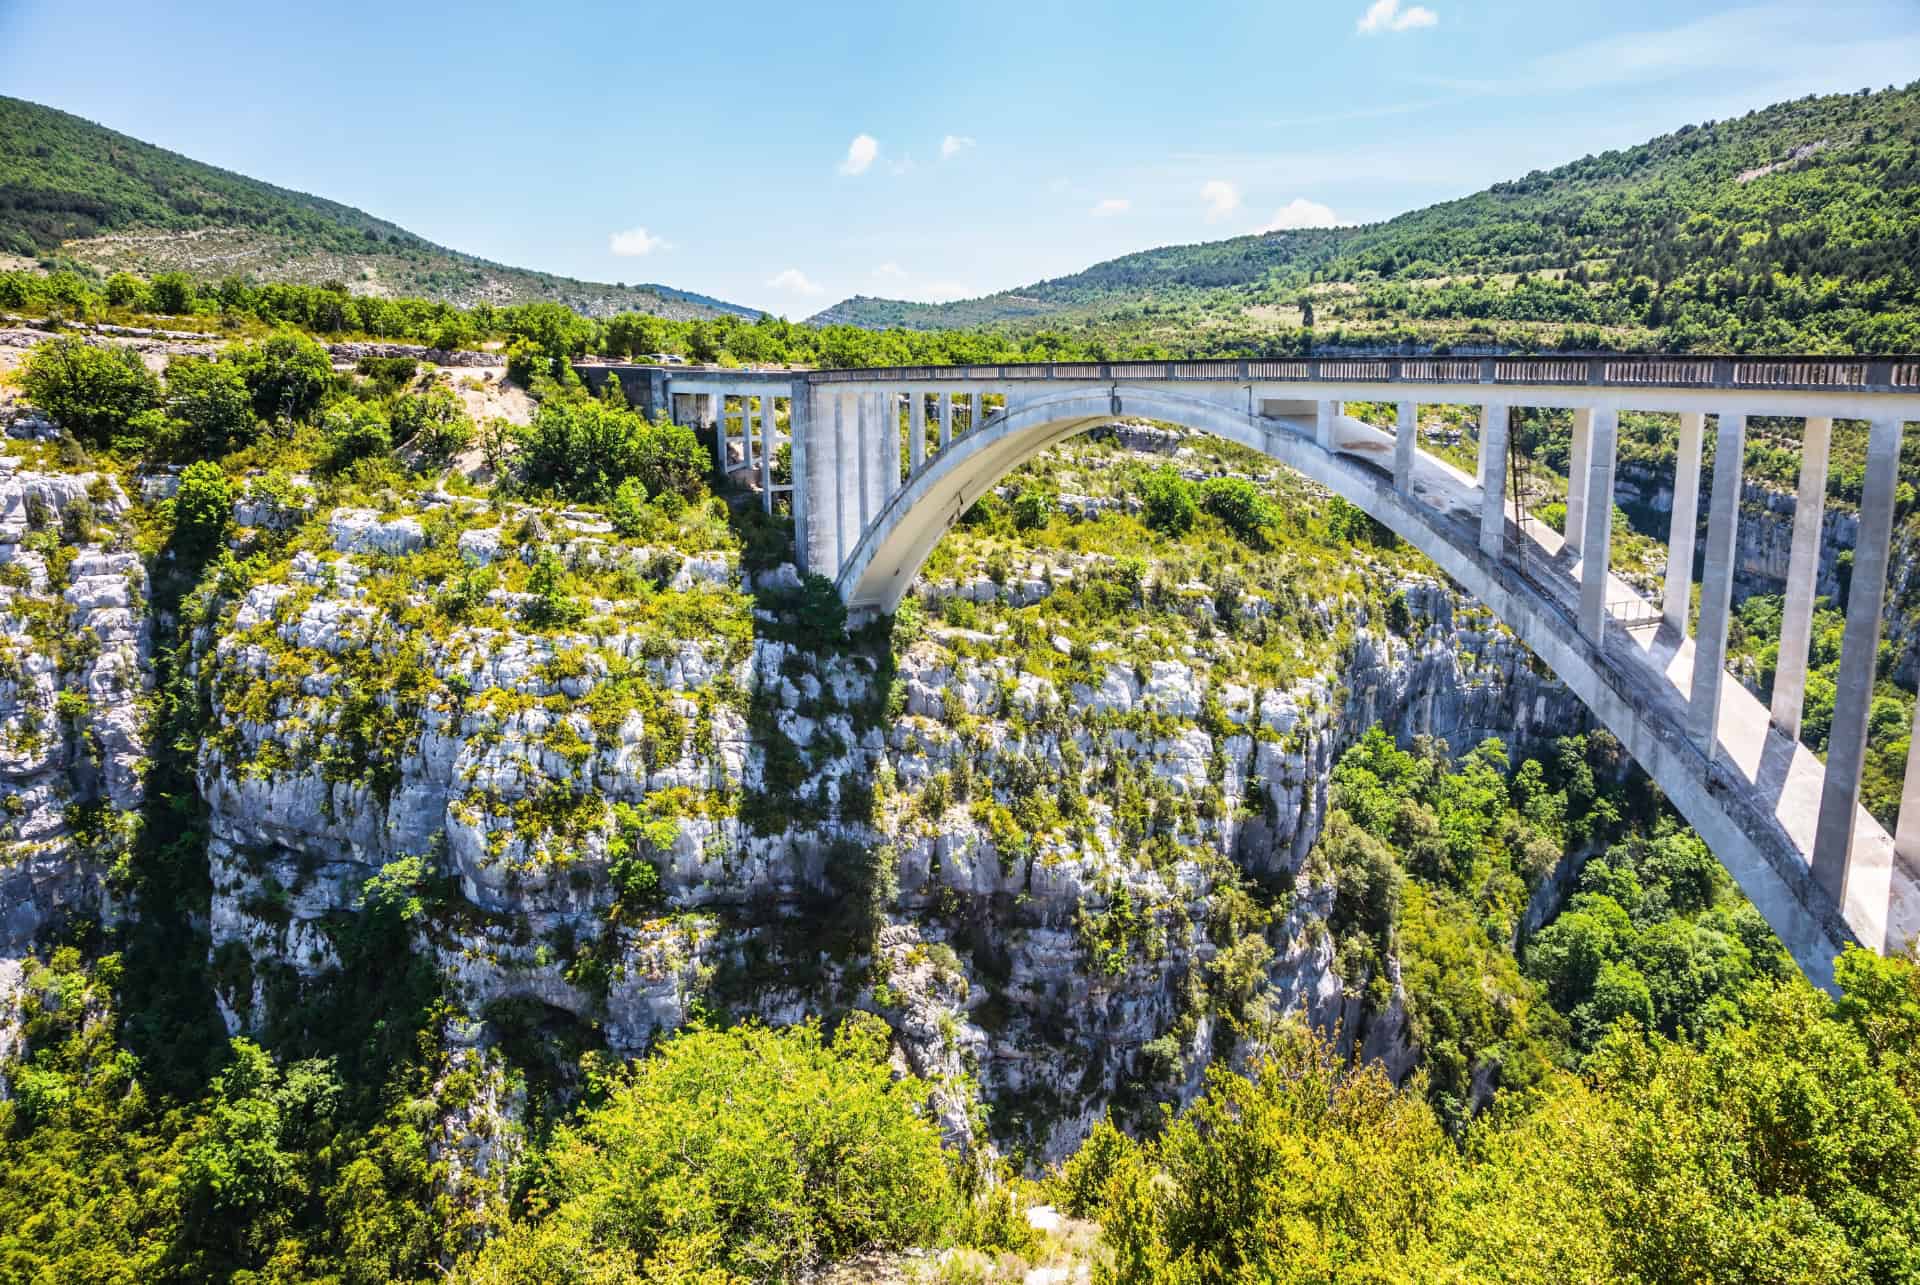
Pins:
x,y
71,190
1797,226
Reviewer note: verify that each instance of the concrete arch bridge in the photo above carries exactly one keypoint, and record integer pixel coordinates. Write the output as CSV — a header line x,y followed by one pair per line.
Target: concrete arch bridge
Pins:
x,y
1789,828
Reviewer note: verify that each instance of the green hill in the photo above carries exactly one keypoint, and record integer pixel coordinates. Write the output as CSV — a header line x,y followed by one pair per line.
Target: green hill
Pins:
x,y
75,192
1794,227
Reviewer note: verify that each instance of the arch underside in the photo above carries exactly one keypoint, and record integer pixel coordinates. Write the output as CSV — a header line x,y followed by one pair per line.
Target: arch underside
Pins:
x,y
1755,804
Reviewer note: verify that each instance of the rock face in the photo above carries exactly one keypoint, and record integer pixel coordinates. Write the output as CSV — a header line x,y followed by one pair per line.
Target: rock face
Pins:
x,y
938,843
74,651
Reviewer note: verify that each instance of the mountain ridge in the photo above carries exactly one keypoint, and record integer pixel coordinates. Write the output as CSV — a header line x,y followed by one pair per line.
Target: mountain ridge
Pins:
x,y
1680,238
75,191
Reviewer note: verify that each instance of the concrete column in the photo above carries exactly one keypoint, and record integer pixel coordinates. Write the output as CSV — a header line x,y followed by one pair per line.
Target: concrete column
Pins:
x,y
973,411
916,429
846,438
1493,478
1324,415
746,430
1859,657
720,431
889,451
867,471
1406,435
767,433
946,421
1596,543
1685,519
1906,836
1803,577
1716,584
799,426
1576,523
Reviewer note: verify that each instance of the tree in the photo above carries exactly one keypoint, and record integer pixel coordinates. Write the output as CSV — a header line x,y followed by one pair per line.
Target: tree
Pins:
x,y
1239,504
203,507
1034,505
287,373
354,431
749,1153
172,293
91,390
1168,500
213,401
434,423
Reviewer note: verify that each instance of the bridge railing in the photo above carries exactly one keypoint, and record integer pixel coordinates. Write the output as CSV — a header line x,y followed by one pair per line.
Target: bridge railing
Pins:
x,y
1861,374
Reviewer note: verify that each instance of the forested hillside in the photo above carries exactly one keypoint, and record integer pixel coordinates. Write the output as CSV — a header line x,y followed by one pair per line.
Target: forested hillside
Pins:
x,y
71,190
1793,228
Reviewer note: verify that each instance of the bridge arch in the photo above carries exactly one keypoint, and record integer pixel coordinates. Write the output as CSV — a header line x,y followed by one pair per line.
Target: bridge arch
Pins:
x,y
1789,827
1439,513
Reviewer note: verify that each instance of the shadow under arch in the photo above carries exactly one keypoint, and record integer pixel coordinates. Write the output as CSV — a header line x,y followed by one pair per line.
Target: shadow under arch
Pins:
x,y
1438,514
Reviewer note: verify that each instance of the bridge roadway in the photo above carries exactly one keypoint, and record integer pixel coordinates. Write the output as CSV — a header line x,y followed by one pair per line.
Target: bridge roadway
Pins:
x,y
1788,827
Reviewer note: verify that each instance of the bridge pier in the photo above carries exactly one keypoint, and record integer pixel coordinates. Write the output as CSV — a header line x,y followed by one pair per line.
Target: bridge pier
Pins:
x,y
1716,584
1493,478
1578,454
1803,577
1683,528
1596,541
1406,440
1833,864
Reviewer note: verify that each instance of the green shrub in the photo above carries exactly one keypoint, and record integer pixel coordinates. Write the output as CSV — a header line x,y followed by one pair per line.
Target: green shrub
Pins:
x,y
203,507
287,374
354,431
1034,506
1168,500
757,1153
92,390
212,401
1238,504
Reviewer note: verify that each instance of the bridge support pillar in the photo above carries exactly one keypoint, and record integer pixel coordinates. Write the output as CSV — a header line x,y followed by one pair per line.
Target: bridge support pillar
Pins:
x,y
1406,436
1582,446
846,475
746,430
1493,478
973,411
1325,413
946,421
800,459
1716,584
916,429
1682,529
1803,577
767,431
1859,657
1906,837
1596,542
720,432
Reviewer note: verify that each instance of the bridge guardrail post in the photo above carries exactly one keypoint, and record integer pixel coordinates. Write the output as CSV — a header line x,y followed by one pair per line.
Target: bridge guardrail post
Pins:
x,y
1487,370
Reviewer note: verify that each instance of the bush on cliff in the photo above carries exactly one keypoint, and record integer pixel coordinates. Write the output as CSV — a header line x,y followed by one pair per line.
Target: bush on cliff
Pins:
x,y
582,450
750,1154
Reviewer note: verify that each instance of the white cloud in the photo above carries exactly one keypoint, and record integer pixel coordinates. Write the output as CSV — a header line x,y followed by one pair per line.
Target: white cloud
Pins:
x,y
794,281
1301,213
1111,206
953,144
1222,198
860,154
1387,15
890,272
635,242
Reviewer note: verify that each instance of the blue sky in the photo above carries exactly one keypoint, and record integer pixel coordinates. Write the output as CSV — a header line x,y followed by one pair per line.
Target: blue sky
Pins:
x,y
785,156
